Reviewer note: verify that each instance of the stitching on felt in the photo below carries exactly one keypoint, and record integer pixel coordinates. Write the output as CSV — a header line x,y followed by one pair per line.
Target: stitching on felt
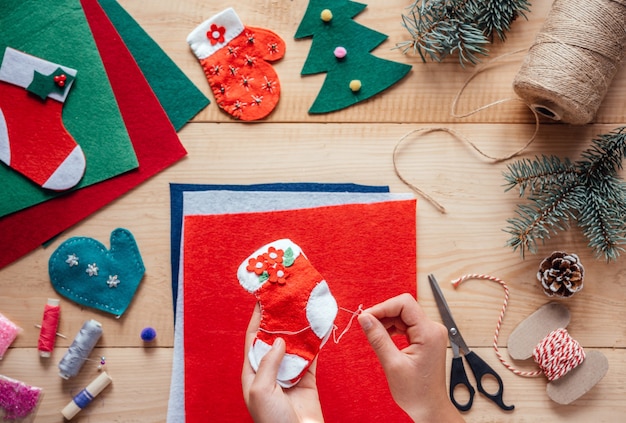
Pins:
x,y
136,261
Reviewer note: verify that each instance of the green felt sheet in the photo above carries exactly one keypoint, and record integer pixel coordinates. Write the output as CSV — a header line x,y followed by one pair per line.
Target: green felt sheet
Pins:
x,y
178,96
57,31
375,74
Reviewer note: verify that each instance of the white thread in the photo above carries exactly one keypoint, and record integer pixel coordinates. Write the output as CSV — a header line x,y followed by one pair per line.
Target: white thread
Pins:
x,y
358,311
336,338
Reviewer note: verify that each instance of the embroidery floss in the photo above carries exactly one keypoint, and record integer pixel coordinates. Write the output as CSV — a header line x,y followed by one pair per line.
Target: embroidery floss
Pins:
x,y
49,326
569,68
84,397
8,333
81,347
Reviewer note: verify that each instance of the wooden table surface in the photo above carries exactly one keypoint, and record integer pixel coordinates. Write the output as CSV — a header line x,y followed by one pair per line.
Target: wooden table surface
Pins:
x,y
352,145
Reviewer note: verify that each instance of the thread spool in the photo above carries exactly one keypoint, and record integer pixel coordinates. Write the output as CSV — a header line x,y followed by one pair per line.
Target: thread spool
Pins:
x,y
81,347
49,326
84,397
569,68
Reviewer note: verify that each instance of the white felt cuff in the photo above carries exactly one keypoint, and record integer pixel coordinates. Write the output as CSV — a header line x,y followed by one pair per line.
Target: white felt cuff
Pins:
x,y
200,43
321,310
18,69
250,280
290,367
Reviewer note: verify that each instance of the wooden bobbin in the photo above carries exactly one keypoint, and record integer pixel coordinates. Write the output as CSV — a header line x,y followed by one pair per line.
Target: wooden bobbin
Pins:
x,y
536,327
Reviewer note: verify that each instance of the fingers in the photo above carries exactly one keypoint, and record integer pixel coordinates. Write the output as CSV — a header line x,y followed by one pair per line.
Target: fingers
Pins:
x,y
379,339
403,308
253,327
268,367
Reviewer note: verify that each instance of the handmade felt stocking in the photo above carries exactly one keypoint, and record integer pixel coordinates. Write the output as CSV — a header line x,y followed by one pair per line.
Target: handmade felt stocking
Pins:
x,y
33,140
235,61
296,305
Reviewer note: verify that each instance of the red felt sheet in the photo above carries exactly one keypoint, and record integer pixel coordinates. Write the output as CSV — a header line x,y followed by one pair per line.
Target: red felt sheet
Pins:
x,y
366,253
154,139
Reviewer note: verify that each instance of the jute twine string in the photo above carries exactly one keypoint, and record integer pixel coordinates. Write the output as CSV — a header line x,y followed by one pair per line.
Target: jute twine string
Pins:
x,y
565,74
569,68
460,137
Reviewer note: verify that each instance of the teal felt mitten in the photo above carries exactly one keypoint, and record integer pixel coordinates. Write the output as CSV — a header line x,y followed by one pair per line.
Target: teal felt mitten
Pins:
x,y
83,270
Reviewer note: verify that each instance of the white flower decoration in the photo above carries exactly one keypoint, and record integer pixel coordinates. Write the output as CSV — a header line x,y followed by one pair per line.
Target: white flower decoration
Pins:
x,y
113,281
72,260
92,269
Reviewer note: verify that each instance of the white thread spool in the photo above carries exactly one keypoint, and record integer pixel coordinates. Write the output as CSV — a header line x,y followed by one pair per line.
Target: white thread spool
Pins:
x,y
81,347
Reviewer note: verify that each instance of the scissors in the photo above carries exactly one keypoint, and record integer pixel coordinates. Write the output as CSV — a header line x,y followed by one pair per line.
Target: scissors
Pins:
x,y
480,369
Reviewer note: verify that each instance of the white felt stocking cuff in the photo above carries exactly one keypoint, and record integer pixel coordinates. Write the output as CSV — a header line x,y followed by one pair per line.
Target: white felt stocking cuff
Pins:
x,y
214,33
18,69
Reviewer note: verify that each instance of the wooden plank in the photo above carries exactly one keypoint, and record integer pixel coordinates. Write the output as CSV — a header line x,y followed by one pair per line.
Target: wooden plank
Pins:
x,y
141,377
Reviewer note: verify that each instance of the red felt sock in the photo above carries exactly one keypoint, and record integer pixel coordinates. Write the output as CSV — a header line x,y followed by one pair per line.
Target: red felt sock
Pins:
x,y
33,140
296,305
235,61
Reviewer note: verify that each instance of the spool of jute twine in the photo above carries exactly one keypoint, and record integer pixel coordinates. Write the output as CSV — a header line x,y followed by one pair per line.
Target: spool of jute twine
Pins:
x,y
569,68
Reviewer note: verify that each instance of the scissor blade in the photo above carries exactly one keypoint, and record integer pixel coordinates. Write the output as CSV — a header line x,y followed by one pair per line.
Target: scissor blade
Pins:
x,y
446,315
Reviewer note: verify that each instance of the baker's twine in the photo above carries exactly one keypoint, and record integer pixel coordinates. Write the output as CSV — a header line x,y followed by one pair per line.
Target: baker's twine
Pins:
x,y
556,354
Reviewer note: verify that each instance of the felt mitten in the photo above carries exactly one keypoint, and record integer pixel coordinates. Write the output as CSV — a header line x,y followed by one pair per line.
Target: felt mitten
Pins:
x,y
235,61
296,305
33,140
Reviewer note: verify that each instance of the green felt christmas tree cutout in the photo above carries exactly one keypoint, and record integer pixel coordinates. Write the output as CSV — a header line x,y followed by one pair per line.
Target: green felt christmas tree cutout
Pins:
x,y
341,47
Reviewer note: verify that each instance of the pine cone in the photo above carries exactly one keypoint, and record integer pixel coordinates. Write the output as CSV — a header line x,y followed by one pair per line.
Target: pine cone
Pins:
x,y
561,274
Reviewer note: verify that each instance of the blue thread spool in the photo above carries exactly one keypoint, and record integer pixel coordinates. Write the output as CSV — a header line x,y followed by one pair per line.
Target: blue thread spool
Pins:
x,y
84,397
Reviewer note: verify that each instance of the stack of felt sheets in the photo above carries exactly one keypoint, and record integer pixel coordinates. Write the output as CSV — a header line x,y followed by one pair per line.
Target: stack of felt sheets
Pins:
x,y
125,107
362,239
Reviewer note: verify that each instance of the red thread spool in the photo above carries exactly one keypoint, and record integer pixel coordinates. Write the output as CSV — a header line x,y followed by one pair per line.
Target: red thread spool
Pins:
x,y
49,326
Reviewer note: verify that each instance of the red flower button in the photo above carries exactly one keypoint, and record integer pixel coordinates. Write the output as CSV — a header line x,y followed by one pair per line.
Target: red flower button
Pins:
x,y
216,34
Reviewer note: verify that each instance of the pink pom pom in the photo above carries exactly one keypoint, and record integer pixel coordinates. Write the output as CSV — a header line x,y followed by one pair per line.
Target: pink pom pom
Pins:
x,y
340,52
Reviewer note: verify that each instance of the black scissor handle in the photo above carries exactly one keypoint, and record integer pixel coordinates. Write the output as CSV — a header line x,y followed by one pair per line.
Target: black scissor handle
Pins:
x,y
482,369
459,377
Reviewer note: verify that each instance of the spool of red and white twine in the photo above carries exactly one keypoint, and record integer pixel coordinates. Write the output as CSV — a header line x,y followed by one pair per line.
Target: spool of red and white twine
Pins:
x,y
556,355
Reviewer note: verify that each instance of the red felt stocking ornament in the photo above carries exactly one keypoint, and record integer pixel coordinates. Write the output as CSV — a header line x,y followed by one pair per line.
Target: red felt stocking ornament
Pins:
x,y
33,140
296,305
235,61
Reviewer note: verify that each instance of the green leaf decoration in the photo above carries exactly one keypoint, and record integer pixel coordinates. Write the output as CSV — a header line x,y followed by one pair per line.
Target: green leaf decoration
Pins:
x,y
588,193
264,276
42,85
288,257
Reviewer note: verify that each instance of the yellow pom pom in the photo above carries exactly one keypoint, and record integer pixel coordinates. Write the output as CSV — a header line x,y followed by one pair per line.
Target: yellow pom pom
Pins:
x,y
355,85
326,15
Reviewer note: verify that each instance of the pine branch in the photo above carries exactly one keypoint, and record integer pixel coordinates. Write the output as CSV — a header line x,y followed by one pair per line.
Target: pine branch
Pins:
x,y
439,28
588,192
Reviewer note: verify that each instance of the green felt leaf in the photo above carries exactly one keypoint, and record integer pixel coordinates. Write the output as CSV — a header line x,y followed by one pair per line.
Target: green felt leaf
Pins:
x,y
375,74
288,258
43,85
180,98
58,32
